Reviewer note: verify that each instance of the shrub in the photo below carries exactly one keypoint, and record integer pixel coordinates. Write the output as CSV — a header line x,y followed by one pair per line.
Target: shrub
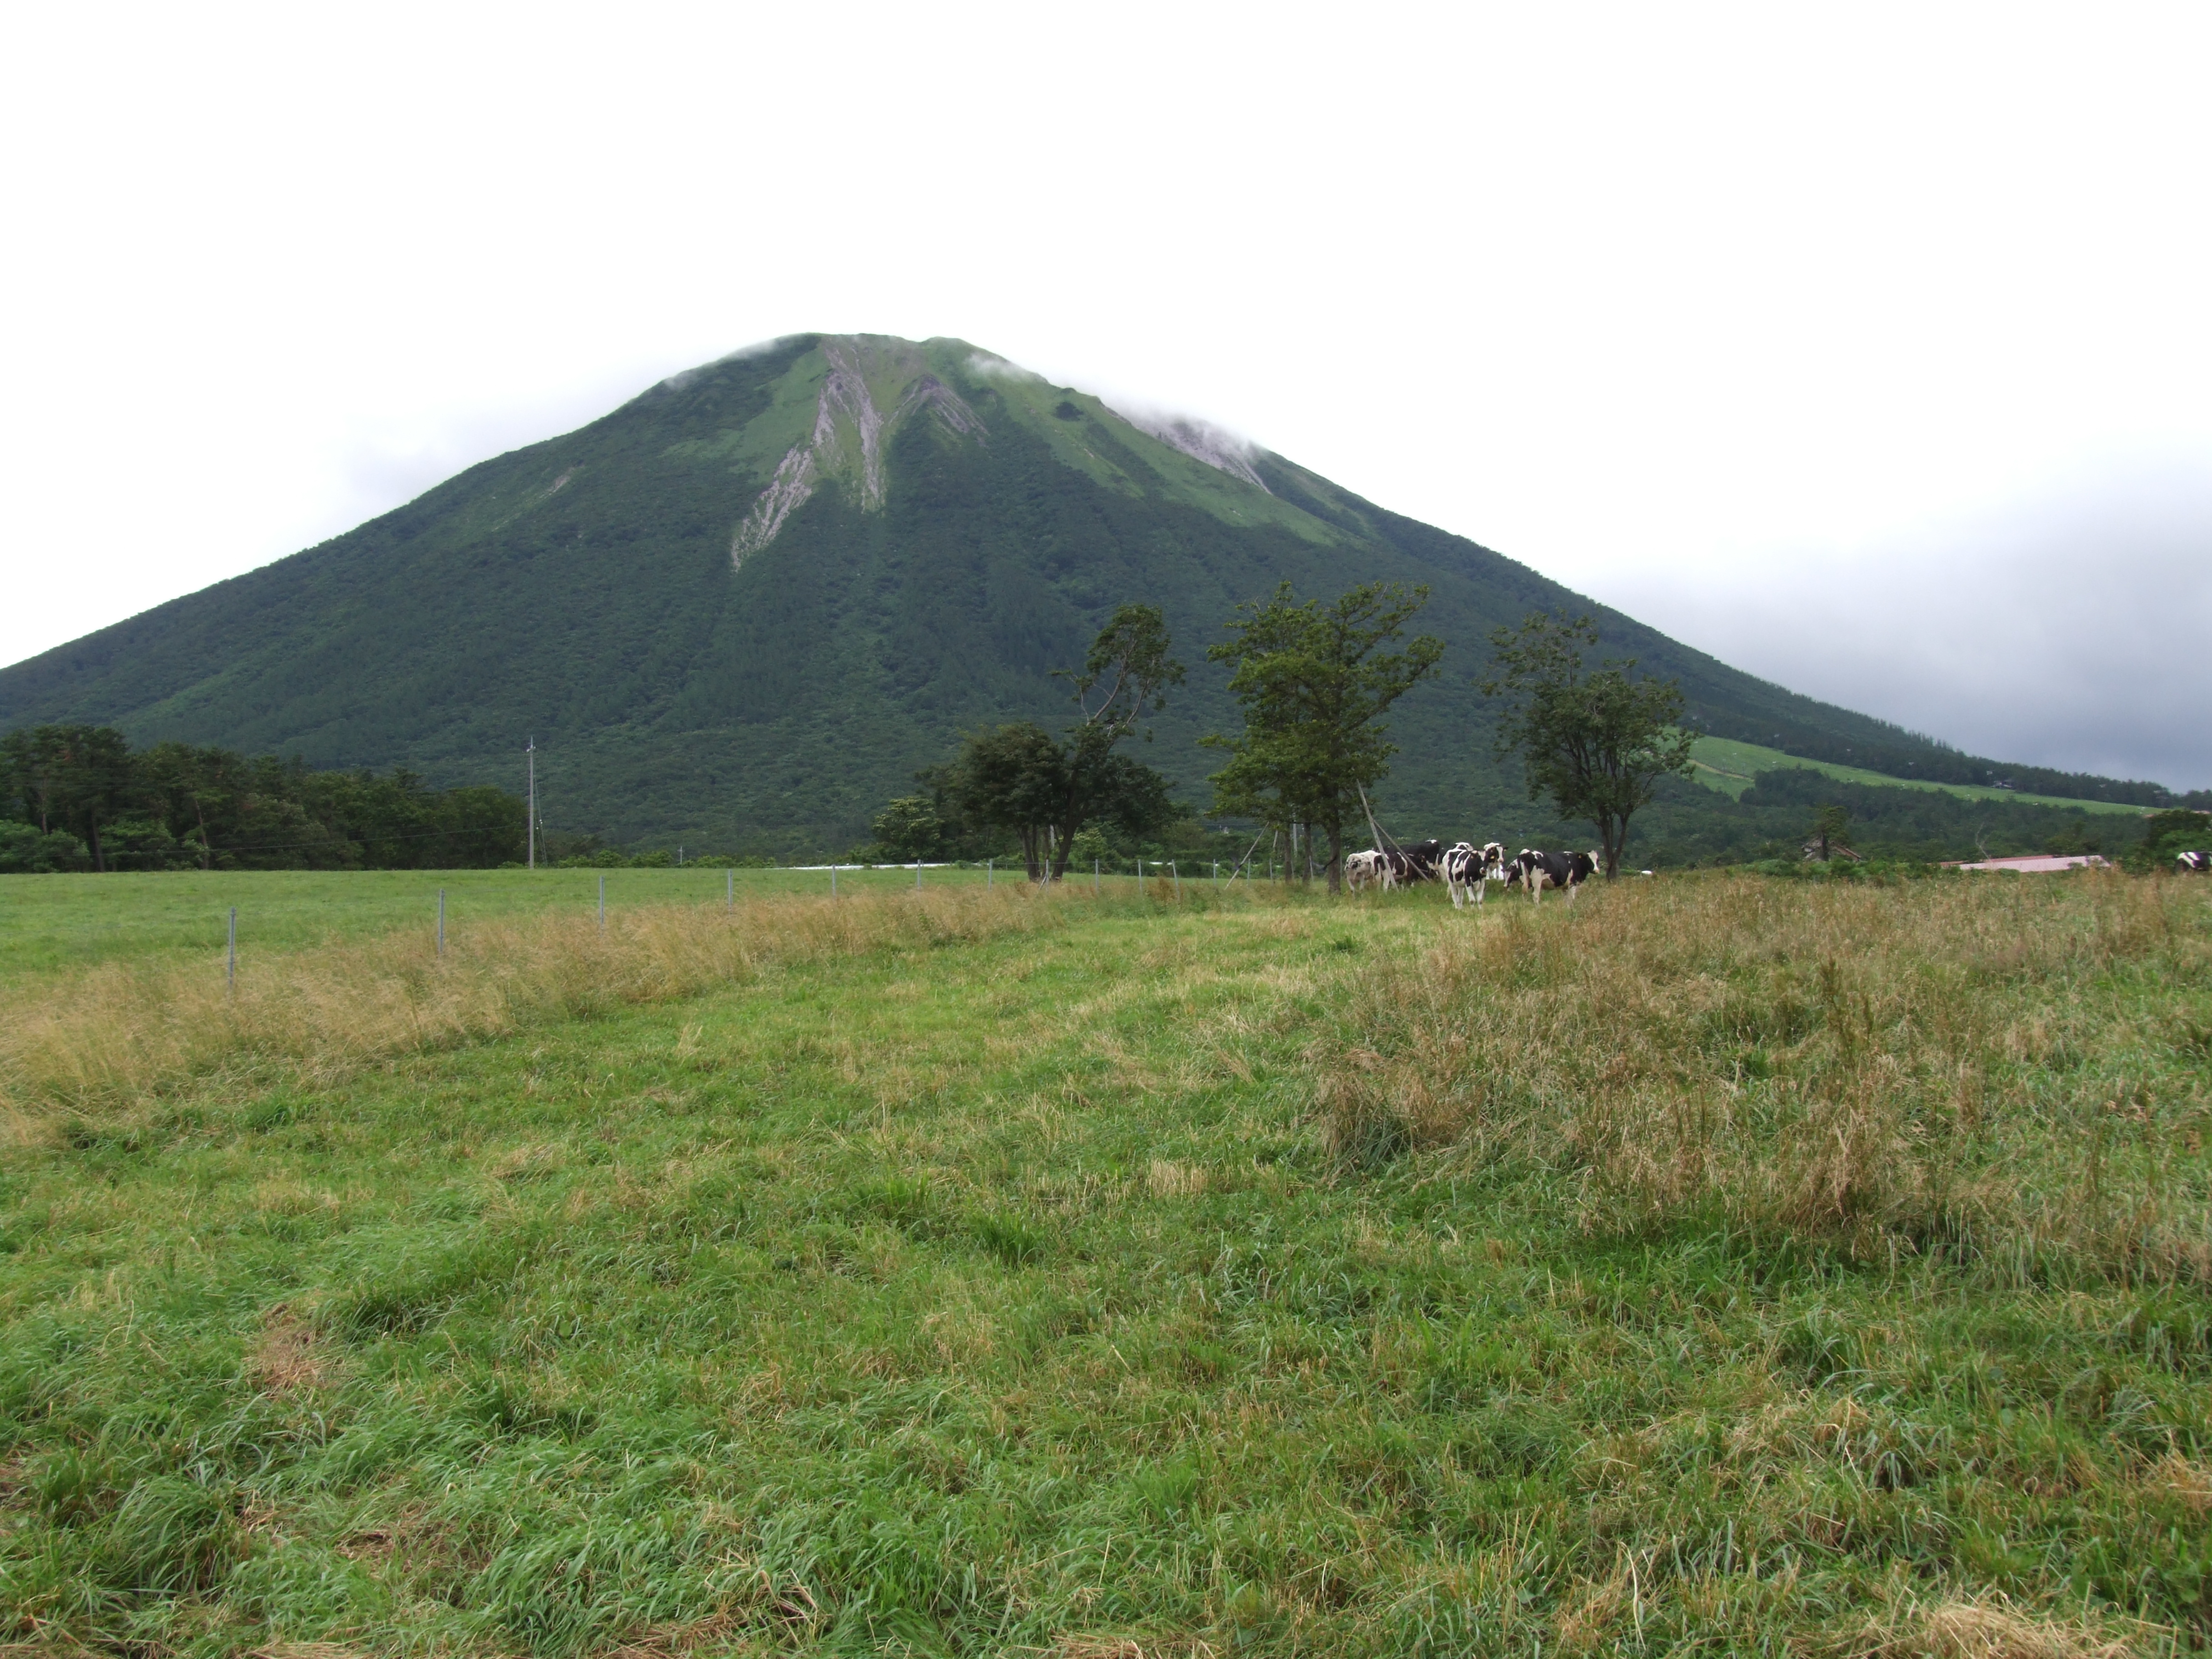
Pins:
x,y
27,850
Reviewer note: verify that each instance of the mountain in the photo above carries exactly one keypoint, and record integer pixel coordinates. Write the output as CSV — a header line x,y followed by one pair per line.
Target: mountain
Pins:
x,y
742,608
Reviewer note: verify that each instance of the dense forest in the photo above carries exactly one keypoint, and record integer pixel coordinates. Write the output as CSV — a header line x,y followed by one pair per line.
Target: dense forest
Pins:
x,y
79,798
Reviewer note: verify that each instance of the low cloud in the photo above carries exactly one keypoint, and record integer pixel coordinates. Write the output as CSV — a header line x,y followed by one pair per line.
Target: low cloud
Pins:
x,y
2075,631
992,368
1202,441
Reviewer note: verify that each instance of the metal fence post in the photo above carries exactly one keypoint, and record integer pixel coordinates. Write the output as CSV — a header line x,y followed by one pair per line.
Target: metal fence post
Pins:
x,y
1175,876
917,875
1094,877
990,873
832,881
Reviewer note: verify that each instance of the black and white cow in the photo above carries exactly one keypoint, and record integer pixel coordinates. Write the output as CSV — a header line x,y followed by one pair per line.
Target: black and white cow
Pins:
x,y
1418,861
2195,863
1565,870
1469,871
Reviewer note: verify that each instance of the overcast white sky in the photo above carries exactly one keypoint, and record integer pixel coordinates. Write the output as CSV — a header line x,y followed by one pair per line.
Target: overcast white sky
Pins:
x,y
1865,347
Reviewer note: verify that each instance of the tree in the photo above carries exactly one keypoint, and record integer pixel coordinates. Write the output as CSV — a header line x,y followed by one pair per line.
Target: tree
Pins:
x,y
1830,825
1594,740
174,805
908,829
1315,682
1014,777
67,779
72,778
1124,675
2167,834
183,782
26,849
1129,668
1045,789
29,760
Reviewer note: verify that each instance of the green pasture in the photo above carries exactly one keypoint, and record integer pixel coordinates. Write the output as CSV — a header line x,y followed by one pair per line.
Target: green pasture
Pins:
x,y
1006,1298
1731,767
62,921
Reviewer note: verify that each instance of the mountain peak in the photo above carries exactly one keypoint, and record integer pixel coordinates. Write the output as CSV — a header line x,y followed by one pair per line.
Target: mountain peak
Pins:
x,y
859,376
710,644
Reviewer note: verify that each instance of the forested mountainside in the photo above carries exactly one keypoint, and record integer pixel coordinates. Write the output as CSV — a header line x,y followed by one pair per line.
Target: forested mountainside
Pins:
x,y
742,609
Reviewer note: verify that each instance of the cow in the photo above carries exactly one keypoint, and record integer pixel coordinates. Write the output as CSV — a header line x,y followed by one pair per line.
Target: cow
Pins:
x,y
1463,872
1468,870
1418,861
1565,870
2194,863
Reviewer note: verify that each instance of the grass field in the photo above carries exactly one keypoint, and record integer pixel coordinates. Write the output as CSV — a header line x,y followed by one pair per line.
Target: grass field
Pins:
x,y
56,921
1731,767
1717,1265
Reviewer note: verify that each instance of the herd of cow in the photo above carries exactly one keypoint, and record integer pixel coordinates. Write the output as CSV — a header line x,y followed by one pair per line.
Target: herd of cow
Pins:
x,y
1466,870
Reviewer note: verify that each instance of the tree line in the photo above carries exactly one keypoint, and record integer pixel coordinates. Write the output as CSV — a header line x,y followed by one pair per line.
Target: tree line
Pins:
x,y
79,798
1314,681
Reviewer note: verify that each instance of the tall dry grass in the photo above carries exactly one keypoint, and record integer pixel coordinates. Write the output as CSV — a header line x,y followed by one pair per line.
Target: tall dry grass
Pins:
x,y
118,1033
1971,1065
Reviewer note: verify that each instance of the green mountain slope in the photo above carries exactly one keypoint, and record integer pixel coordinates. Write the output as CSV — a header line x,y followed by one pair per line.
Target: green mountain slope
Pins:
x,y
741,609
1732,768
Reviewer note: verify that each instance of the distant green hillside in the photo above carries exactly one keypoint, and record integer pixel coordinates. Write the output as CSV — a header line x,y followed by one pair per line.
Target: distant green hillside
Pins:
x,y
739,611
1732,766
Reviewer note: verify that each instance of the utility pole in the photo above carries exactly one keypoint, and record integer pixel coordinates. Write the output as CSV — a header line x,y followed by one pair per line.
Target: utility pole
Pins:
x,y
531,751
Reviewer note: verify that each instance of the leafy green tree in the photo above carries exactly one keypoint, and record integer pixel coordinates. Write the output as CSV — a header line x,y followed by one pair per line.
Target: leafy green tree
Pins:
x,y
73,779
1594,740
1125,673
1014,778
2167,834
174,806
1115,790
26,849
1315,682
1125,676
476,827
1090,845
1830,824
187,786
908,829
1045,789
30,766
